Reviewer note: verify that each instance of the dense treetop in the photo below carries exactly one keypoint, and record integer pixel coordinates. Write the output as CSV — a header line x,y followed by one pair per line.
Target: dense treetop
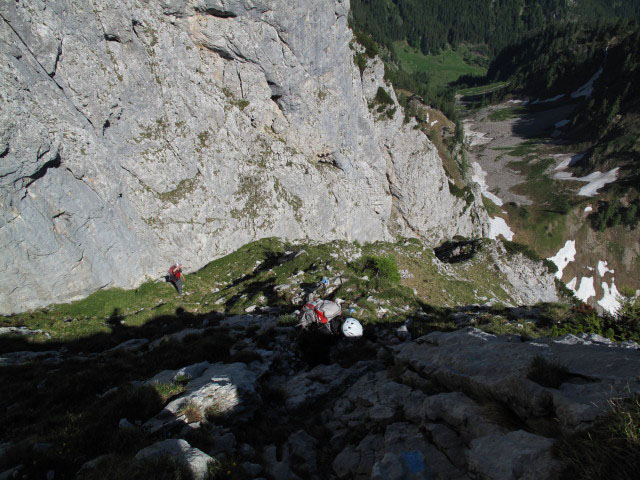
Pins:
x,y
431,25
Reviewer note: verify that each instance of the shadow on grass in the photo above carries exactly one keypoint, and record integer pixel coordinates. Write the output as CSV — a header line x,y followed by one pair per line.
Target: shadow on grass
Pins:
x,y
64,410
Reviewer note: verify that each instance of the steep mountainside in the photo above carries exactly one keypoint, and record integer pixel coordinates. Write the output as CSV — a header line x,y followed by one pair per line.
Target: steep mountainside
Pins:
x,y
219,380
134,134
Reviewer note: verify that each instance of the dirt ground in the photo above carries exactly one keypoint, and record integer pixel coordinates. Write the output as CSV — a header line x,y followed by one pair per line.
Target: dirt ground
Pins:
x,y
490,140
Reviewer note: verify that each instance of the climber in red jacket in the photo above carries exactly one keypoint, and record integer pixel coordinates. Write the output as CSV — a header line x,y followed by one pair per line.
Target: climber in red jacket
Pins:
x,y
175,276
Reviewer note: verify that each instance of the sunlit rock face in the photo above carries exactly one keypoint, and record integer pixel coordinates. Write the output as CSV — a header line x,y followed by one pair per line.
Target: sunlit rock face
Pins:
x,y
134,134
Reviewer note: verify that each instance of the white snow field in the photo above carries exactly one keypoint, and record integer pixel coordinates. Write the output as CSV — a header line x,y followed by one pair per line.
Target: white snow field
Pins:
x,y
611,299
497,226
603,268
565,255
596,180
568,160
586,290
479,176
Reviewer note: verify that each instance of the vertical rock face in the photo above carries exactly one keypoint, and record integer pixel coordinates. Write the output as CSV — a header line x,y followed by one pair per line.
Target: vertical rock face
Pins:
x,y
134,134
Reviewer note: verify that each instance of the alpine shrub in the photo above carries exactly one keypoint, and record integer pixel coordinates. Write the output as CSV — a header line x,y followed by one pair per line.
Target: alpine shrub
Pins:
x,y
382,97
384,268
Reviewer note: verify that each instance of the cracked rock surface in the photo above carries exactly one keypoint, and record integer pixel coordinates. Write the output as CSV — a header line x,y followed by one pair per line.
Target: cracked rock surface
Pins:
x,y
439,406
134,134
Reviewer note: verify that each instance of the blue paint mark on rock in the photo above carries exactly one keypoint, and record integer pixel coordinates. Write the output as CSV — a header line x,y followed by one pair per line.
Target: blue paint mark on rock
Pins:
x,y
413,461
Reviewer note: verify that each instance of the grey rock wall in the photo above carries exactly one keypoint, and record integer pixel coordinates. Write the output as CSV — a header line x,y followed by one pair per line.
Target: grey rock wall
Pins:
x,y
135,133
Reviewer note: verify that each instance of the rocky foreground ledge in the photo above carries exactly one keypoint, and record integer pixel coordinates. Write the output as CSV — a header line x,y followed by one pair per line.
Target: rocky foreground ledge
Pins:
x,y
457,405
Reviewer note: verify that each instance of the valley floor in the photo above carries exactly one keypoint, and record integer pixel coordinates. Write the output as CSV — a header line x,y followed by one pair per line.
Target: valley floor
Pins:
x,y
533,196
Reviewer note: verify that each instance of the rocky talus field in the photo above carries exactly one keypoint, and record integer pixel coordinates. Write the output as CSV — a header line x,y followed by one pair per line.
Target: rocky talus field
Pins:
x,y
220,383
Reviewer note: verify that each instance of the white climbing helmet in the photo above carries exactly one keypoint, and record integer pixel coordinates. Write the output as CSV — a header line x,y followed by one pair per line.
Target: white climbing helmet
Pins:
x,y
352,328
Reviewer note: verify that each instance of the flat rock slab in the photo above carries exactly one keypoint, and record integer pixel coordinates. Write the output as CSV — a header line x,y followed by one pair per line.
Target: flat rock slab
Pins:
x,y
307,387
176,337
401,453
49,357
129,345
196,461
18,331
521,455
188,372
486,365
218,390
264,322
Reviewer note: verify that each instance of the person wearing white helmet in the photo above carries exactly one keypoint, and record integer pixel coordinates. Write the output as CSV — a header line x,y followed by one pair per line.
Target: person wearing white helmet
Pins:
x,y
325,316
316,338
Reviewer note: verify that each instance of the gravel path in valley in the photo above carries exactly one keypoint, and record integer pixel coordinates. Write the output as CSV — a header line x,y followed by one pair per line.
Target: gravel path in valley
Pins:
x,y
488,140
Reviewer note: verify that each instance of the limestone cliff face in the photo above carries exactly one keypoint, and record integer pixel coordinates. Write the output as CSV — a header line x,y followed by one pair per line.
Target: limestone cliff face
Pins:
x,y
135,133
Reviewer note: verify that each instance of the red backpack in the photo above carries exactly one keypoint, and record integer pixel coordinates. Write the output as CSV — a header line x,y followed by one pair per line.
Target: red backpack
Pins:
x,y
320,311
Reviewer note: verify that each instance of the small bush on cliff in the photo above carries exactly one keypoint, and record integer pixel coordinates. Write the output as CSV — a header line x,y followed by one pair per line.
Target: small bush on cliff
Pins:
x,y
382,97
628,317
382,268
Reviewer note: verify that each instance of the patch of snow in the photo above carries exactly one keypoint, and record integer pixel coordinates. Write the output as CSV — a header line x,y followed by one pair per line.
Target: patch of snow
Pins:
x,y
515,101
433,123
610,298
588,209
479,177
561,123
568,160
586,290
473,137
565,255
564,176
603,268
596,180
497,226
572,284
587,89
548,100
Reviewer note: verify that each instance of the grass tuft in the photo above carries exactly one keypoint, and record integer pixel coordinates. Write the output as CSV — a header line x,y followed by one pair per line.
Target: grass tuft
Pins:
x,y
191,413
547,373
611,449
168,390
